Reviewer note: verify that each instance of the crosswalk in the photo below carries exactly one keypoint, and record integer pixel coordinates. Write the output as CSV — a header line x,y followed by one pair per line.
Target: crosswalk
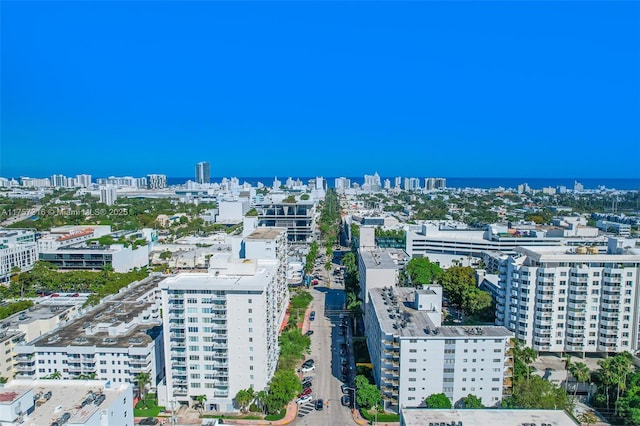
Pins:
x,y
306,409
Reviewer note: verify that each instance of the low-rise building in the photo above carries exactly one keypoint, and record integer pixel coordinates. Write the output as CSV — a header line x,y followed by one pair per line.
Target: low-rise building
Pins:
x,y
59,402
115,341
481,417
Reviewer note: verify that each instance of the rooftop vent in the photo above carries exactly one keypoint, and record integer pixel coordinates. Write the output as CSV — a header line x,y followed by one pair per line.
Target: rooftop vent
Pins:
x,y
81,339
135,340
109,340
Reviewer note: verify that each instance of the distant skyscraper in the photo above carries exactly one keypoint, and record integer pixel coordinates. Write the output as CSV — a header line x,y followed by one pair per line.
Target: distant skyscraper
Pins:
x,y
155,181
108,194
203,172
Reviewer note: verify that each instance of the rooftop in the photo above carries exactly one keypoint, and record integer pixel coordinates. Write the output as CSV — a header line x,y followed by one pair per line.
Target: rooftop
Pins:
x,y
116,322
387,258
397,315
255,277
66,397
265,233
482,417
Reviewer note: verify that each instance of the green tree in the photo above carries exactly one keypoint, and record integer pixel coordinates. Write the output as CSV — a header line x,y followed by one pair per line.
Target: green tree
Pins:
x,y
528,357
581,373
244,398
421,271
475,301
367,395
200,400
437,400
537,393
284,386
165,255
471,401
142,380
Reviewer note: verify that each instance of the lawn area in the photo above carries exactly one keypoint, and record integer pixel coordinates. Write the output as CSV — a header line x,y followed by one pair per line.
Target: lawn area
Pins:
x,y
382,416
278,416
147,408
238,417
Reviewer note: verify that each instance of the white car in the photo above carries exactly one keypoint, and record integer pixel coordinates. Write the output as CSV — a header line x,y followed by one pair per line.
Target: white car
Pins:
x,y
304,399
307,369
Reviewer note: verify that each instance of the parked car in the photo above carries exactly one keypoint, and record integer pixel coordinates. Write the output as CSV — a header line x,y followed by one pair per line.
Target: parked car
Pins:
x,y
149,421
308,368
304,399
312,316
305,392
308,333
307,379
344,388
319,404
346,400
306,385
310,361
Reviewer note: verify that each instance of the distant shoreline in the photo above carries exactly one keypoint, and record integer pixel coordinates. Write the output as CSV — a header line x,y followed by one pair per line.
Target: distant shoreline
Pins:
x,y
626,184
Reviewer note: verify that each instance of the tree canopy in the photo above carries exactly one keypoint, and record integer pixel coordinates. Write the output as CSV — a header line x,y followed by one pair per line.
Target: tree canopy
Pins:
x,y
437,400
421,271
367,394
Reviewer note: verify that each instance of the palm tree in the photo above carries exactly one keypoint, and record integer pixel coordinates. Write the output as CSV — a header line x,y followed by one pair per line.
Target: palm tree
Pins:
x,y
607,377
581,373
142,380
201,399
567,367
261,399
56,375
528,357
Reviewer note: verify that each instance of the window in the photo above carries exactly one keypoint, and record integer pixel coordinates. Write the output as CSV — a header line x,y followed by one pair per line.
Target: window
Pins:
x,y
412,389
413,351
249,301
413,360
412,379
412,370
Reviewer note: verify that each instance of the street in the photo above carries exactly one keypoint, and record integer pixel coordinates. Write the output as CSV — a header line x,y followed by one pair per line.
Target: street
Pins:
x,y
328,302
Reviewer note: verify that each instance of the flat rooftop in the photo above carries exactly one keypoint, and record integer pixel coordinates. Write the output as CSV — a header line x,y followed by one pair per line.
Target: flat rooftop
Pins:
x,y
66,397
265,233
36,313
237,277
417,323
388,258
92,328
568,254
483,417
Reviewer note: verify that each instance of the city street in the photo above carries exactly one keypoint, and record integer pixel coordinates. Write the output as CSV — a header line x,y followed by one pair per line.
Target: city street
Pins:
x,y
325,350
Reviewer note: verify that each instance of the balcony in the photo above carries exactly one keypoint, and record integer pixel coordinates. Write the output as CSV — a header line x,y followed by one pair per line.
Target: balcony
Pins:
x,y
610,305
182,390
574,348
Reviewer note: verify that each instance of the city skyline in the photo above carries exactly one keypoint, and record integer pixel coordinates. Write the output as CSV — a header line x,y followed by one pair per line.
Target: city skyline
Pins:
x,y
511,89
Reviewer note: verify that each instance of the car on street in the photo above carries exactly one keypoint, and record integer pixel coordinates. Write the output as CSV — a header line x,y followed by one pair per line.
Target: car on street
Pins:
x,y
312,316
308,368
344,388
305,392
307,379
306,385
310,361
304,399
319,404
346,400
343,352
308,333
149,421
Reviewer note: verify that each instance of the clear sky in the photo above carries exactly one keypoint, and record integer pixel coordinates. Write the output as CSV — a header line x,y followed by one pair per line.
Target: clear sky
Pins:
x,y
504,89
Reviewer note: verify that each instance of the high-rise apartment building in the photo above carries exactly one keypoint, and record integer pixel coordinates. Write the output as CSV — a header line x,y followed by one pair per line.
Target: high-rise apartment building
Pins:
x,y
414,355
203,172
83,180
108,194
566,299
155,181
221,327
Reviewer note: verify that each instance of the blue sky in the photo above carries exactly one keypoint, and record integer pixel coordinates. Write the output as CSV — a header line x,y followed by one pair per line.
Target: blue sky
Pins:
x,y
505,89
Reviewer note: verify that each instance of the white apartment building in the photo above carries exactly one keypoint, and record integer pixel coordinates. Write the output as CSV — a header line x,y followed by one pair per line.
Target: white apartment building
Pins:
x,y
448,242
26,326
68,235
564,299
17,249
108,194
115,341
155,181
222,327
414,355
378,267
76,403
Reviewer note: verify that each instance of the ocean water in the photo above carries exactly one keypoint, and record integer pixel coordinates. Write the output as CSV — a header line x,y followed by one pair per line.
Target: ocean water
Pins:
x,y
461,182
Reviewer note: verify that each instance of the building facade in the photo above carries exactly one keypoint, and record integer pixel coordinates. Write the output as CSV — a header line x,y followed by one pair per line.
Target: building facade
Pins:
x,y
116,341
222,329
297,217
203,172
58,402
414,356
17,250
564,299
